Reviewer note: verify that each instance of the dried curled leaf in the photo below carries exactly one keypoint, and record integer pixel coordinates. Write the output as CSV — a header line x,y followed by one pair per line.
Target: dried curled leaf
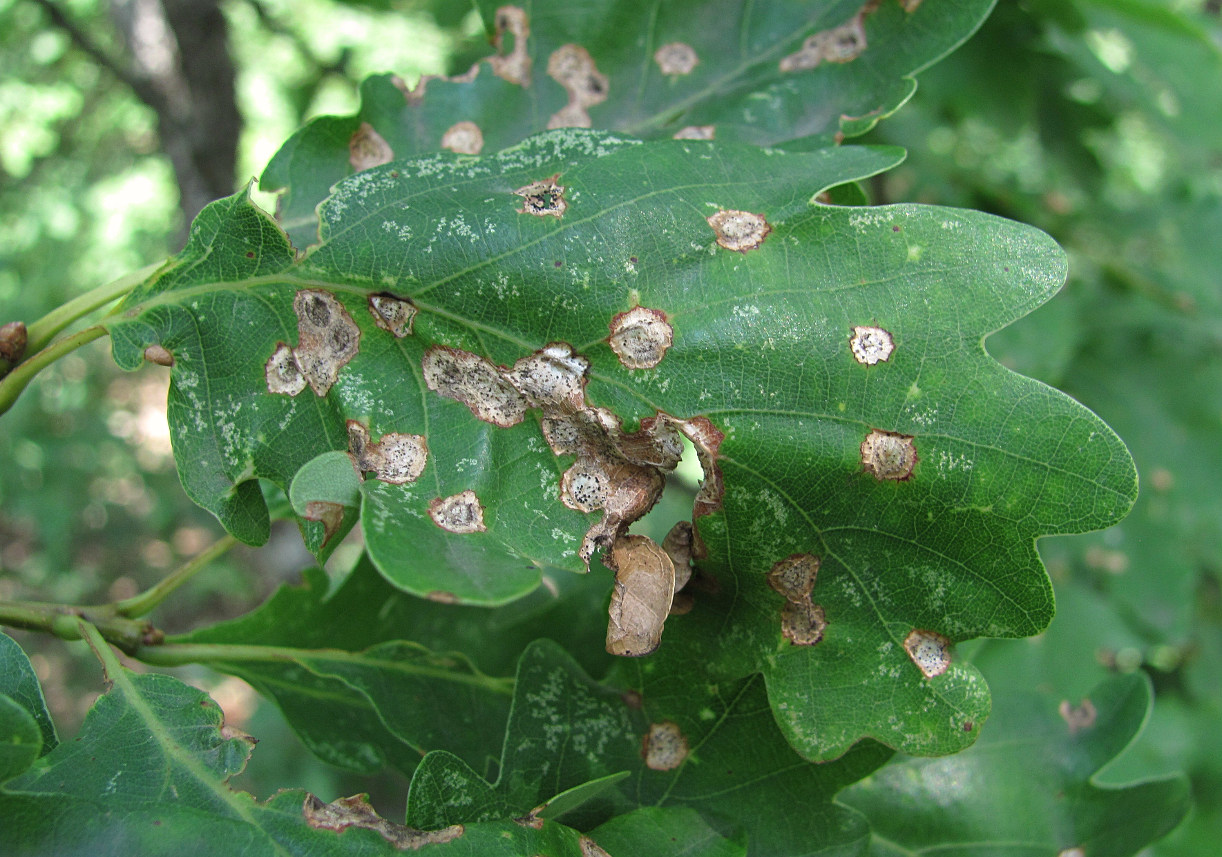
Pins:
x,y
640,603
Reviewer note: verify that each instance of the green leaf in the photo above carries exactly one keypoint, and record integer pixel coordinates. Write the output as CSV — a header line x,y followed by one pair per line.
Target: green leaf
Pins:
x,y
326,492
148,775
663,832
364,612
325,668
1028,786
572,798
20,739
934,543
19,682
735,768
738,88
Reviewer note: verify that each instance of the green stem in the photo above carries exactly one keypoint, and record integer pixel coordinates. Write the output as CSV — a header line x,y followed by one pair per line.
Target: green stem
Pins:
x,y
63,621
12,385
46,328
211,654
117,622
142,603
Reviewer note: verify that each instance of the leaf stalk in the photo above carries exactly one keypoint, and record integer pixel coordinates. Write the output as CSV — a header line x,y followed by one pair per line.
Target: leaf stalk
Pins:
x,y
48,327
13,384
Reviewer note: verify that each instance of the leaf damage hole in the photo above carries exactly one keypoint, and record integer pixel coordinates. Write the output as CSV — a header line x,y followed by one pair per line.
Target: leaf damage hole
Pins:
x,y
327,339
367,148
1076,851
513,66
640,337
664,747
889,455
542,198
838,45
676,58
395,459
739,230
641,599
573,68
356,811
871,345
696,132
929,650
463,138
1078,717
462,513
392,313
803,623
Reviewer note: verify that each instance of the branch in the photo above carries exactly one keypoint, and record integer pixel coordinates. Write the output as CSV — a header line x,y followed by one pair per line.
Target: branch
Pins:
x,y
143,88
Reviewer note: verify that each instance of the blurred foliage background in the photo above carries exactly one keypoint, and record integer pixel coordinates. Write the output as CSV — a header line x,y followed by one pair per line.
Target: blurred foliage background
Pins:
x,y
1099,121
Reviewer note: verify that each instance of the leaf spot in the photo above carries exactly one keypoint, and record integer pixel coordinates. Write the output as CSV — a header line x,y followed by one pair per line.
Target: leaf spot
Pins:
x,y
794,576
573,68
395,459
159,354
696,132
461,513
367,148
330,515
475,382
888,455
463,138
590,848
543,198
664,747
803,622
515,65
355,811
676,58
839,45
1078,717
327,338
283,375
929,650
640,337
871,345
739,230
392,313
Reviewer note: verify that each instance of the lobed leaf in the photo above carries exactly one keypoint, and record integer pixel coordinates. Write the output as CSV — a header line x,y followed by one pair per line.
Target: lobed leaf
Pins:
x,y
148,775
363,612
719,758
766,369
1028,787
735,70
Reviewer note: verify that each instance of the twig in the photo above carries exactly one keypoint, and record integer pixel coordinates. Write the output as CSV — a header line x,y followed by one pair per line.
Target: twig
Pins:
x,y
13,384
